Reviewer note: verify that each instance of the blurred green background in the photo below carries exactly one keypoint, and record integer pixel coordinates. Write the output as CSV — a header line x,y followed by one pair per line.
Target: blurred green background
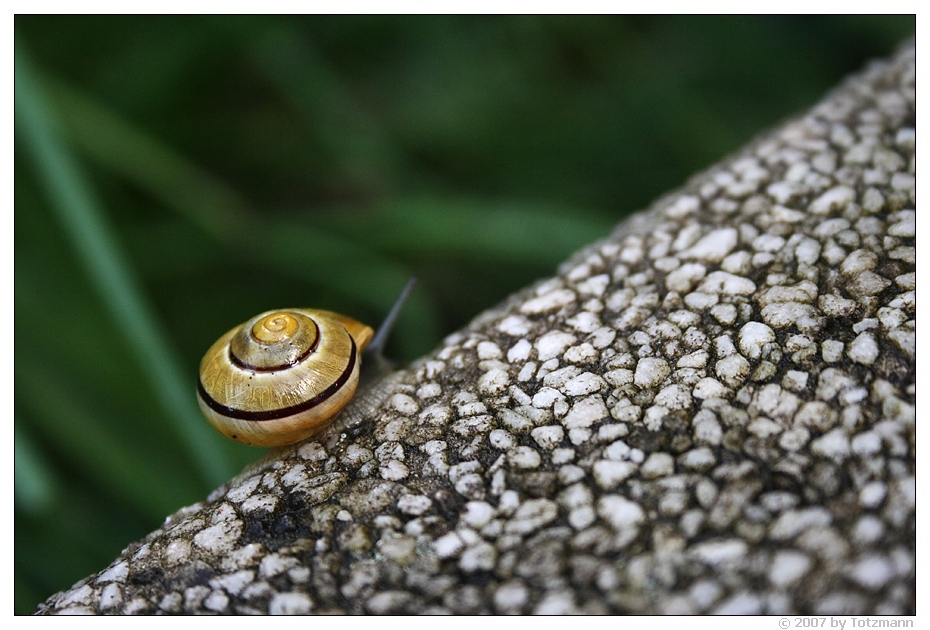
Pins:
x,y
177,175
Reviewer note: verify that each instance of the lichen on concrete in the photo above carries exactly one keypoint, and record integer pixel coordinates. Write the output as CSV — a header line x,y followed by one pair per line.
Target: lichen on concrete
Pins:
x,y
710,411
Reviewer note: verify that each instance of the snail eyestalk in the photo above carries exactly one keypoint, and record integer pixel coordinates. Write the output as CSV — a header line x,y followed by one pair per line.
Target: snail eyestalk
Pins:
x,y
376,347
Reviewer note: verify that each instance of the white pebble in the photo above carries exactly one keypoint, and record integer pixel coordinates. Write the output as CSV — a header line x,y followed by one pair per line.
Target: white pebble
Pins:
x,y
393,470
891,318
713,247
449,545
807,251
836,306
582,353
116,573
872,572
787,567
752,339
674,397
477,513
584,383
832,350
698,459
784,314
868,529
532,515
684,278
594,285
429,390
709,388
608,474
584,413
793,522
112,596
906,225
650,372
260,503
867,283
177,551
493,382
553,344
404,404
721,282
658,465
724,313
866,444
687,204
414,504
481,557
794,380
696,359
833,199
502,440
833,445
718,552
872,494
548,437
524,457
858,261
514,325
768,243
740,604
863,349
732,370
510,597
547,302
620,513
290,604
219,538
489,350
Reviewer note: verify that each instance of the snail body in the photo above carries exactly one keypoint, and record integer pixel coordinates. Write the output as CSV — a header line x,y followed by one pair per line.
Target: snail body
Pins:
x,y
282,376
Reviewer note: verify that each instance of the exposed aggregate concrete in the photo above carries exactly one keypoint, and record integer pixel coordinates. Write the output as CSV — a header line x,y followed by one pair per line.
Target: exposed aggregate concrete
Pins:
x,y
712,411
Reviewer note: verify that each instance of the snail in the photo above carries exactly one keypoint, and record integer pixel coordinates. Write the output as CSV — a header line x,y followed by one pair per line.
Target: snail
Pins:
x,y
284,375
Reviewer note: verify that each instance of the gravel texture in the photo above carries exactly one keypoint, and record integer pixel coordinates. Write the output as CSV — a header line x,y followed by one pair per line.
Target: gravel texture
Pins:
x,y
711,411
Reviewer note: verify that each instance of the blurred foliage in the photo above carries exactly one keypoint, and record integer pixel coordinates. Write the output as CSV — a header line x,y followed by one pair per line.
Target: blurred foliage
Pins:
x,y
176,175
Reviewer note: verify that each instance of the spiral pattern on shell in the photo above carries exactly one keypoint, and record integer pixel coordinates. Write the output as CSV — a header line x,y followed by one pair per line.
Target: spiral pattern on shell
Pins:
x,y
281,376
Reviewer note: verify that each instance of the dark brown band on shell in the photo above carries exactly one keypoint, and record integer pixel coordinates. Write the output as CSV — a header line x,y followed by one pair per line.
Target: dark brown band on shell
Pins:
x,y
275,414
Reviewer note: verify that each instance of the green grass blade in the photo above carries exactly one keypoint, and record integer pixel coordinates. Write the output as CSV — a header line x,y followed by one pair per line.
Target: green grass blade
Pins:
x,y
34,484
167,176
118,463
83,220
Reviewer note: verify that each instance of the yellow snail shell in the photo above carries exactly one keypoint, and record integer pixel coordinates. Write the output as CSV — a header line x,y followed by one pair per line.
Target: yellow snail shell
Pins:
x,y
281,376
